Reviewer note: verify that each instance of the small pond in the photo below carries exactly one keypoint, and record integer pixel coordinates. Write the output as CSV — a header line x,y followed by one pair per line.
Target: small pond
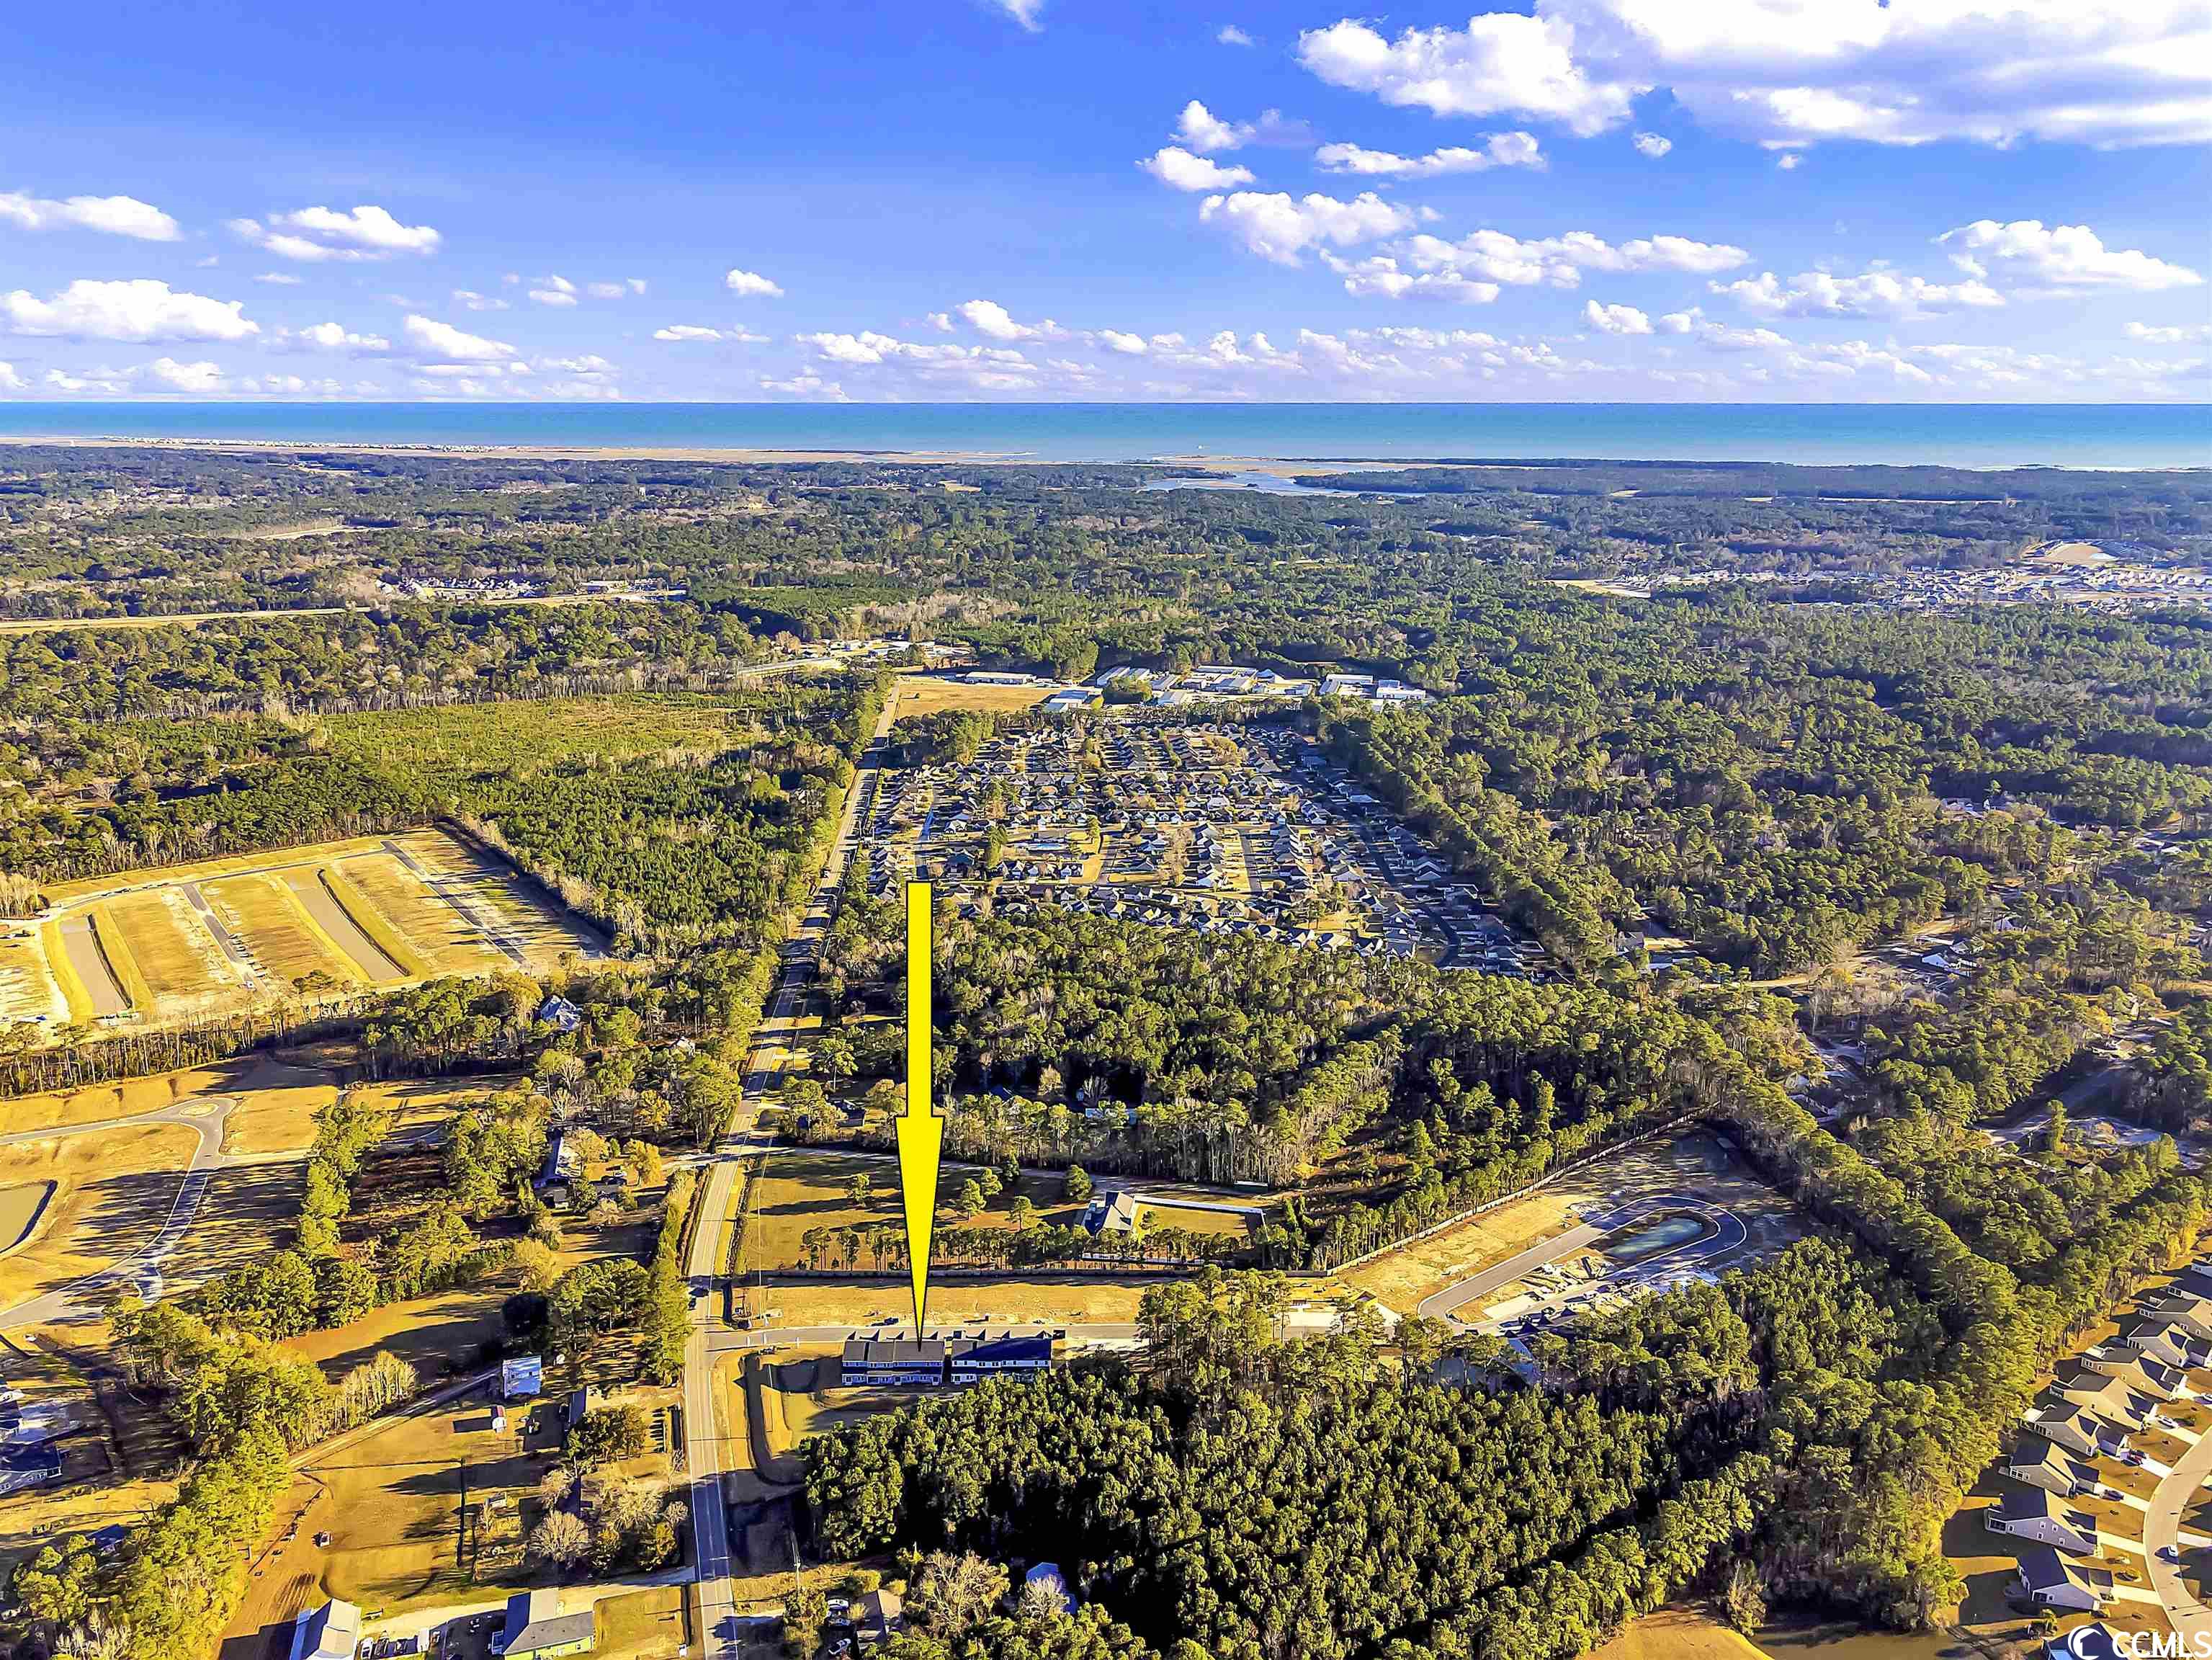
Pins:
x,y
1653,1235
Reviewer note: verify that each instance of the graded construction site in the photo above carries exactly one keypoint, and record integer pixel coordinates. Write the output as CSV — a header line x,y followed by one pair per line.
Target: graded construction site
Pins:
x,y
191,942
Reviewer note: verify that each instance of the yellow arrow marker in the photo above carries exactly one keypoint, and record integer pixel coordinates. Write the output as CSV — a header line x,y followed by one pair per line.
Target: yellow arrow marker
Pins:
x,y
920,1132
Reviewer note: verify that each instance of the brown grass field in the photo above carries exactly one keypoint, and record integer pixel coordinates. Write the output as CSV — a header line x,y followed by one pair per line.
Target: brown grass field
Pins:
x,y
805,1187
21,1207
277,1102
180,960
27,991
392,1504
643,1625
441,936
246,1211
1068,1298
287,942
1403,1278
106,1184
919,694
1191,1219
97,1103
1679,1634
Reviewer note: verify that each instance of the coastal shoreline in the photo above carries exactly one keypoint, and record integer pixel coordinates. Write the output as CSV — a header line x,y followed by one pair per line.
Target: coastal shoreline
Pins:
x,y
1282,467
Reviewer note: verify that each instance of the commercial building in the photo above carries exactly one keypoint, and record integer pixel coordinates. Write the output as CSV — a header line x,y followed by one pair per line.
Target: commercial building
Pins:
x,y
974,1359
894,1360
536,1629
933,1362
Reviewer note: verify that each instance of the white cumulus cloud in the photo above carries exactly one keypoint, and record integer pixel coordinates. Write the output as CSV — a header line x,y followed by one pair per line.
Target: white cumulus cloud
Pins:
x,y
310,234
140,310
10,380
1500,150
168,373
1231,35
1203,131
990,318
751,285
115,215
1278,226
697,331
1029,14
1173,164
1615,319
336,336
1380,276
451,345
1501,62
1872,293
1495,256
2169,335
2058,257
1651,144
2103,72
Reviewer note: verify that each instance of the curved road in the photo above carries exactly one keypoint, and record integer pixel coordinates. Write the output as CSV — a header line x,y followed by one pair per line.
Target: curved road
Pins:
x,y
82,1297
2162,1530
207,1116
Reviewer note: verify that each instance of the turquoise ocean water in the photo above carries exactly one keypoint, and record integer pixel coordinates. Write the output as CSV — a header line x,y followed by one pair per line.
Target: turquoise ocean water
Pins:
x,y
1953,434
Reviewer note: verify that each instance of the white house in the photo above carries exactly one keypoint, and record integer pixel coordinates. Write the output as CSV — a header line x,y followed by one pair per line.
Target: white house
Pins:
x,y
2032,1513
2050,1580
2145,1374
2067,1425
2168,1343
2185,1309
2046,1464
2112,1399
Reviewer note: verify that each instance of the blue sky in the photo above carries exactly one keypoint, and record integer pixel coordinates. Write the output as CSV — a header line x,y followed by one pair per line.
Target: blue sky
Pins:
x,y
1602,199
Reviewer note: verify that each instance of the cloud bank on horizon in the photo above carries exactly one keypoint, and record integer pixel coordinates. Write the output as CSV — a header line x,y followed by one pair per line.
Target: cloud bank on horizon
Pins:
x,y
1051,200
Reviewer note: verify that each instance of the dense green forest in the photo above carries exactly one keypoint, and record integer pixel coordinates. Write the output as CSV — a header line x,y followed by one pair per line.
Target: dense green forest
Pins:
x,y
94,532
1939,871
